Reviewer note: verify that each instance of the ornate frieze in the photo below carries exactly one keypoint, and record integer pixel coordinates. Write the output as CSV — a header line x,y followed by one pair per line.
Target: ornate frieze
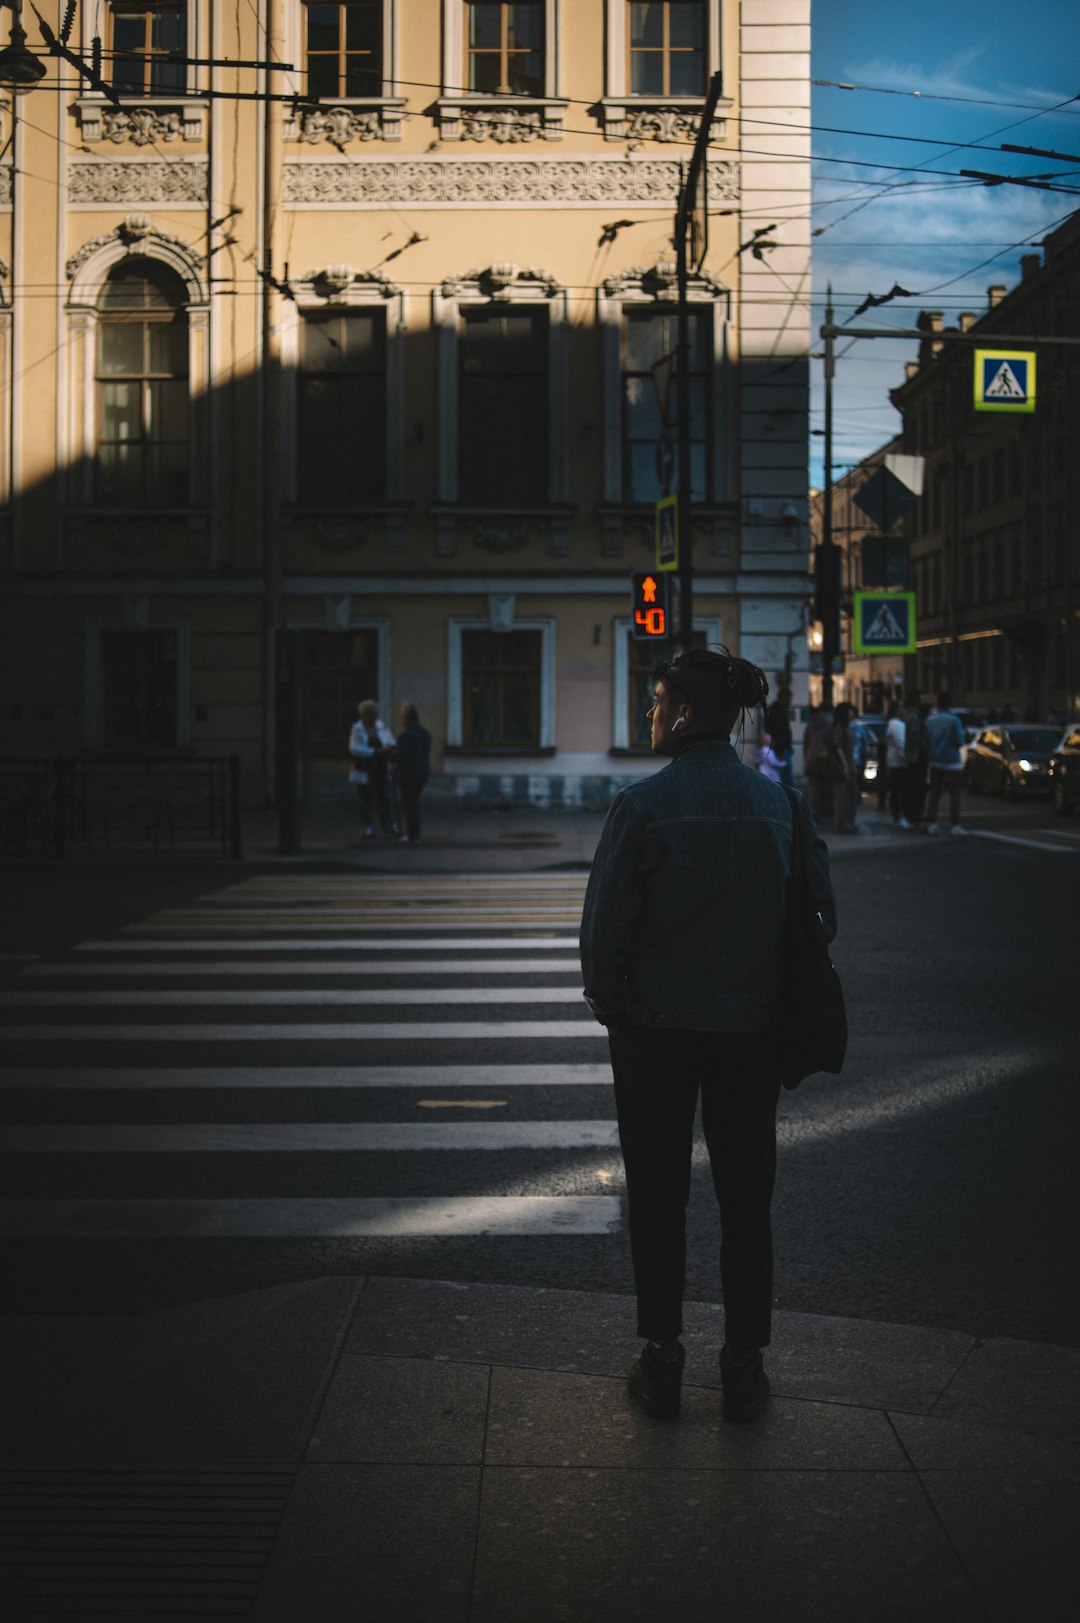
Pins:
x,y
333,282
510,121
558,182
659,281
500,281
141,125
374,120
664,120
5,183
182,181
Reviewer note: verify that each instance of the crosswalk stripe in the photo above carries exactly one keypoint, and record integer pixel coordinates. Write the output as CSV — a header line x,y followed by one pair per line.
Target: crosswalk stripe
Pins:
x,y
1027,842
356,924
325,1137
418,1031
324,966
285,997
144,1079
310,1219
507,944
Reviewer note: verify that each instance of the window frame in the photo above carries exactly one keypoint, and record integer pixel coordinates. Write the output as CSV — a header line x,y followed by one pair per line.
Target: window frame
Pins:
x,y
135,619
456,626
501,285
343,53
308,318
504,49
665,52
627,114
340,288
339,617
377,116
148,8
98,116
478,115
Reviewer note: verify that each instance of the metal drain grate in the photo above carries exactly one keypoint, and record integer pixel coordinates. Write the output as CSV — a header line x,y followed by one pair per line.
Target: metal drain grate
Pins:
x,y
130,1544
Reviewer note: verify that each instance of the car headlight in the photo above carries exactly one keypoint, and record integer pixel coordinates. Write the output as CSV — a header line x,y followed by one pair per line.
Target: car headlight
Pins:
x,y
870,770
1027,766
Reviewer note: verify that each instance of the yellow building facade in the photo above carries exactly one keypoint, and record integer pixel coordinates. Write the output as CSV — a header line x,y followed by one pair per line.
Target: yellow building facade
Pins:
x,y
355,320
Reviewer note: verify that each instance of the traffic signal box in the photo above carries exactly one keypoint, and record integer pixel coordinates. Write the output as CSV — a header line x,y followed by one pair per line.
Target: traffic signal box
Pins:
x,y
649,606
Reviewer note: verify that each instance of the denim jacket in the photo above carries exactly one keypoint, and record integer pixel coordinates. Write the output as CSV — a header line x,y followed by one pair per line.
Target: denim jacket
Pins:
x,y
685,903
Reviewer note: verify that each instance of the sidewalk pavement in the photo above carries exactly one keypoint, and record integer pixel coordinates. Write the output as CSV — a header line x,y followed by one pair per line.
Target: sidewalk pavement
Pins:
x,y
409,1451
459,837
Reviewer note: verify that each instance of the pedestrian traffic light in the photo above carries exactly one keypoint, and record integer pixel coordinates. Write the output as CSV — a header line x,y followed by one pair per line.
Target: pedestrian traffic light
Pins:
x,y
649,606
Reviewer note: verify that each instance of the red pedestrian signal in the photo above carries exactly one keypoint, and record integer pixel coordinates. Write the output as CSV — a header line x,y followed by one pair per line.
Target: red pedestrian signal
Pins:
x,y
649,606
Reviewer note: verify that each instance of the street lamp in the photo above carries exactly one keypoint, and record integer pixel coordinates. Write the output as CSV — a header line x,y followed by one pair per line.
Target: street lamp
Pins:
x,y
20,69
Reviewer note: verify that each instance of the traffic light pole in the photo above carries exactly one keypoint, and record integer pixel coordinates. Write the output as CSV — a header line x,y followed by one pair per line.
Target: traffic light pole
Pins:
x,y
683,217
826,561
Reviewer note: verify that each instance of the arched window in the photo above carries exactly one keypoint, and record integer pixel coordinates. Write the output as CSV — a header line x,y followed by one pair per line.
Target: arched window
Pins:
x,y
143,430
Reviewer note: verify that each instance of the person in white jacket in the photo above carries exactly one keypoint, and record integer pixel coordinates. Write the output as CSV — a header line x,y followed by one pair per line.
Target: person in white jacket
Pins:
x,y
371,753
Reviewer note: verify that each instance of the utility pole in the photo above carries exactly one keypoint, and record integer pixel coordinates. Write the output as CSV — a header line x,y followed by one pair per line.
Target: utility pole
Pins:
x,y
683,218
827,560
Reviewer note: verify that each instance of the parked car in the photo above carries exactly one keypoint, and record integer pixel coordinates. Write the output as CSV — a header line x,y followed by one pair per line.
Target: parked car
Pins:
x,y
1063,771
1010,760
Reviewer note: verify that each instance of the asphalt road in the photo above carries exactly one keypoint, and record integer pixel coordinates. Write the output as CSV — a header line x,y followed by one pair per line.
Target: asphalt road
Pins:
x,y
933,1183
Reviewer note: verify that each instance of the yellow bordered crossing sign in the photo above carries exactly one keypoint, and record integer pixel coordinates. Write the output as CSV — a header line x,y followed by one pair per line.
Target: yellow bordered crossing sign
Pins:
x,y
884,623
1005,380
667,532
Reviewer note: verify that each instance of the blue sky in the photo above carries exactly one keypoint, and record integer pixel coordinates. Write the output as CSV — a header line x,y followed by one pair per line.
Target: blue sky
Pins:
x,y
888,204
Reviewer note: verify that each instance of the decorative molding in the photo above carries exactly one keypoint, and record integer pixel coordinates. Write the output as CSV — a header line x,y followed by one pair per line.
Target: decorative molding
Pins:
x,y
662,120
136,232
139,535
141,125
660,281
500,535
491,119
433,182
333,282
501,530
339,535
5,183
181,181
349,121
500,282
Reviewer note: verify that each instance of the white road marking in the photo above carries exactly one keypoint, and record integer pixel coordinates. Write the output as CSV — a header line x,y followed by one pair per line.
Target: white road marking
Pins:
x,y
313,997
324,966
333,1138
1028,843
505,944
422,1031
312,1219
144,1080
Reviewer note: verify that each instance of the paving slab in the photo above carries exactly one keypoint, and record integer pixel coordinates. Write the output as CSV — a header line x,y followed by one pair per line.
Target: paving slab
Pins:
x,y
864,1361
549,1417
407,1411
593,1546
1017,1383
41,1352
393,1543
234,1380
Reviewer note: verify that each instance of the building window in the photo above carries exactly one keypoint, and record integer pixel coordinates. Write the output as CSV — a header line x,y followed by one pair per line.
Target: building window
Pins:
x,y
143,431
504,48
649,336
500,679
139,689
148,49
666,46
503,407
341,408
343,49
340,669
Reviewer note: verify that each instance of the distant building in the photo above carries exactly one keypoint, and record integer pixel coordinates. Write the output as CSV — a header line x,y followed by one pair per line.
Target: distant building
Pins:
x,y
379,367
867,681
995,537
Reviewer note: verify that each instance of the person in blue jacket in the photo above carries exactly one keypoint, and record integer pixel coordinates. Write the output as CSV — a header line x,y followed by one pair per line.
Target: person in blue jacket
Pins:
x,y
680,954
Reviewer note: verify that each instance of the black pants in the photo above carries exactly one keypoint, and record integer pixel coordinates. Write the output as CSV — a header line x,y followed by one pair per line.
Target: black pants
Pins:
x,y
658,1075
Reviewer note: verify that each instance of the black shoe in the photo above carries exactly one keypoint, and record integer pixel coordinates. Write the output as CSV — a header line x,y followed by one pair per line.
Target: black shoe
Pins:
x,y
746,1387
656,1383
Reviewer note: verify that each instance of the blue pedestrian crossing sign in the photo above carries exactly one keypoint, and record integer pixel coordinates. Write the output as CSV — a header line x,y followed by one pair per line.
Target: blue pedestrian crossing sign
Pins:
x,y
884,623
1004,380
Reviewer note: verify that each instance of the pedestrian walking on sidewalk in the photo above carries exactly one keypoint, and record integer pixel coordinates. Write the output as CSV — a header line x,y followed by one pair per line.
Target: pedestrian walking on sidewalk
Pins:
x,y
944,741
916,759
815,739
680,953
896,761
371,746
412,768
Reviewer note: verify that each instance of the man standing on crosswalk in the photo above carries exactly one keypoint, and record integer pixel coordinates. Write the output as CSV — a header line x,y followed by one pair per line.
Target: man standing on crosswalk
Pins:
x,y
680,953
